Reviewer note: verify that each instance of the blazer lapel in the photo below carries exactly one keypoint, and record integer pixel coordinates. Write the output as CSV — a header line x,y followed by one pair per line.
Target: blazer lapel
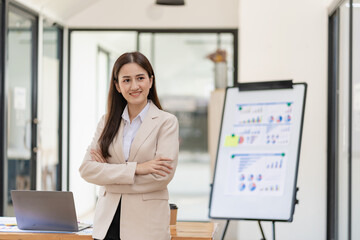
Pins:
x,y
144,131
117,144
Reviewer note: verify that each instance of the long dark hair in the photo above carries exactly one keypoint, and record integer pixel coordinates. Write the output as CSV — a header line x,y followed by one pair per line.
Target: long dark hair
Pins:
x,y
116,102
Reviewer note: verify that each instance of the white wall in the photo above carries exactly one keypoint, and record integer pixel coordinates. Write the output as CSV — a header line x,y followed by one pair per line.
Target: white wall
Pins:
x,y
83,118
283,39
145,14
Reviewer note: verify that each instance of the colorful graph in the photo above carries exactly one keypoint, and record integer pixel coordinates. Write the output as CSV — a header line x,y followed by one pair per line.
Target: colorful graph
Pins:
x,y
275,165
257,173
261,124
242,177
242,187
288,119
251,177
252,186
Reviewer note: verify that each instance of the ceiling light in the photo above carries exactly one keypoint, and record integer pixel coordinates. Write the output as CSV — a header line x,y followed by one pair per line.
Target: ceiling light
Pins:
x,y
171,2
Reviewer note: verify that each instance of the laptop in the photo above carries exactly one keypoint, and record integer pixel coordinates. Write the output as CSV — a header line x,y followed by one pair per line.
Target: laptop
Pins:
x,y
46,211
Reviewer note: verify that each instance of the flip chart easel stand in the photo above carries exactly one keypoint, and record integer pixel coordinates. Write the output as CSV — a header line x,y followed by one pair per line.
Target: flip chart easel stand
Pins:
x,y
288,84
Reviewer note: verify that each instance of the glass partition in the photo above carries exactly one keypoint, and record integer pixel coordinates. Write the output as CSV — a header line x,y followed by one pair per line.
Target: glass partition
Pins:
x,y
186,75
343,115
49,171
344,157
21,68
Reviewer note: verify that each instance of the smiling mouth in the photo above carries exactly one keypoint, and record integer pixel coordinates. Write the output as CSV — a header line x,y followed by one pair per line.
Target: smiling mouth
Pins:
x,y
135,94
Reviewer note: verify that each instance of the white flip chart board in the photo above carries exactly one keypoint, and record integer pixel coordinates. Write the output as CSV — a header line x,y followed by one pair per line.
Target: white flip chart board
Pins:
x,y
258,154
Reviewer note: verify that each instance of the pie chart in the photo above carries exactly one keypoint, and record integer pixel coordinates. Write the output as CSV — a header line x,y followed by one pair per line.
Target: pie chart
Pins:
x,y
242,187
252,186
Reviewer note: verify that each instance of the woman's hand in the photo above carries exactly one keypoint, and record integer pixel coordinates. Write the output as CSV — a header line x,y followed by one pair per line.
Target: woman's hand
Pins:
x,y
159,166
97,155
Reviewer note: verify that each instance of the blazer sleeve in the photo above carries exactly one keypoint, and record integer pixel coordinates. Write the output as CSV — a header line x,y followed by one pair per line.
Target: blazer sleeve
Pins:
x,y
105,173
168,147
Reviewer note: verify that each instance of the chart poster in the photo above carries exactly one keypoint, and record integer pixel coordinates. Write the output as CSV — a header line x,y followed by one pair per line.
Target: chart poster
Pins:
x,y
258,152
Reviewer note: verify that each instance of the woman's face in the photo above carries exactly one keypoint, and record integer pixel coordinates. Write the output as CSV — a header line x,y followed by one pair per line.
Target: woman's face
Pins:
x,y
134,84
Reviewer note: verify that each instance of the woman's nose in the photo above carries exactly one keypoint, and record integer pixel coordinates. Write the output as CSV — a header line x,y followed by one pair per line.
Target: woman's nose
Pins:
x,y
134,85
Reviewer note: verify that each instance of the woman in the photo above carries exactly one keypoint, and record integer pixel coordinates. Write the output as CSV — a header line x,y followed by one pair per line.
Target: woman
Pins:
x,y
133,156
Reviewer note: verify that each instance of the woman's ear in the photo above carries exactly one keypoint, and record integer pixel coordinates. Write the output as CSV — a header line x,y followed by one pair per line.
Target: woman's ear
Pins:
x,y
151,81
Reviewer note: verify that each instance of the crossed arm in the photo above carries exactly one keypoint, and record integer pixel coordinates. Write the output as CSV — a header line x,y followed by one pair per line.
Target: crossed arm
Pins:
x,y
135,177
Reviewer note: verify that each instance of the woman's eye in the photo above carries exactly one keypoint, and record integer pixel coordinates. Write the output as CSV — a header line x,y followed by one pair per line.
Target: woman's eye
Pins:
x,y
126,80
141,78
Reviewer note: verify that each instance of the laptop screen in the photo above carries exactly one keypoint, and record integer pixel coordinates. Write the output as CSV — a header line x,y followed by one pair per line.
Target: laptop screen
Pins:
x,y
45,210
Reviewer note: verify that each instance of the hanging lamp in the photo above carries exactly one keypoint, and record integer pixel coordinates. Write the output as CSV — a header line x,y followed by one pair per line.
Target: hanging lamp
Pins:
x,y
171,2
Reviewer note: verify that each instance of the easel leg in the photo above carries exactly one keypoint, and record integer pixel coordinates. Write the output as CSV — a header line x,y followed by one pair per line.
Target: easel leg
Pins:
x,y
224,232
273,223
262,232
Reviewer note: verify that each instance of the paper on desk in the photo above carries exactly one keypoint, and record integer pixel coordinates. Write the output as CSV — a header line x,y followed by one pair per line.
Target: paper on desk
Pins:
x,y
7,220
8,224
15,229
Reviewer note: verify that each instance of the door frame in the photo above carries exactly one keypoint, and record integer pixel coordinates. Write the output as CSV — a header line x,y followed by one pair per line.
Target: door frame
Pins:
x,y
333,124
6,7
34,84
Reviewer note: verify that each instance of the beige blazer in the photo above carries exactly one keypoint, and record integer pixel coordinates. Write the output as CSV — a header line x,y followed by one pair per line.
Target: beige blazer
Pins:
x,y
145,213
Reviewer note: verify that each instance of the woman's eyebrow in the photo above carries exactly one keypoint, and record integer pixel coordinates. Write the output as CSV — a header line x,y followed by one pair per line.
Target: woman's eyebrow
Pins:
x,y
137,75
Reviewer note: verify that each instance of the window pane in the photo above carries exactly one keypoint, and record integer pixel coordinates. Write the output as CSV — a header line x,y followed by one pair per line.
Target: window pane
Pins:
x,y
343,143
185,78
145,45
19,81
227,43
48,110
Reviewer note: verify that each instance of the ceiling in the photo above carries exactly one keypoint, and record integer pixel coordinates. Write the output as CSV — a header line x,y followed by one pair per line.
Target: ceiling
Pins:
x,y
59,9
137,13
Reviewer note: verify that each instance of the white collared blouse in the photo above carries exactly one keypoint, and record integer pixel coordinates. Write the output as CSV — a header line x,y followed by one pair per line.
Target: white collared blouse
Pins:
x,y
131,128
